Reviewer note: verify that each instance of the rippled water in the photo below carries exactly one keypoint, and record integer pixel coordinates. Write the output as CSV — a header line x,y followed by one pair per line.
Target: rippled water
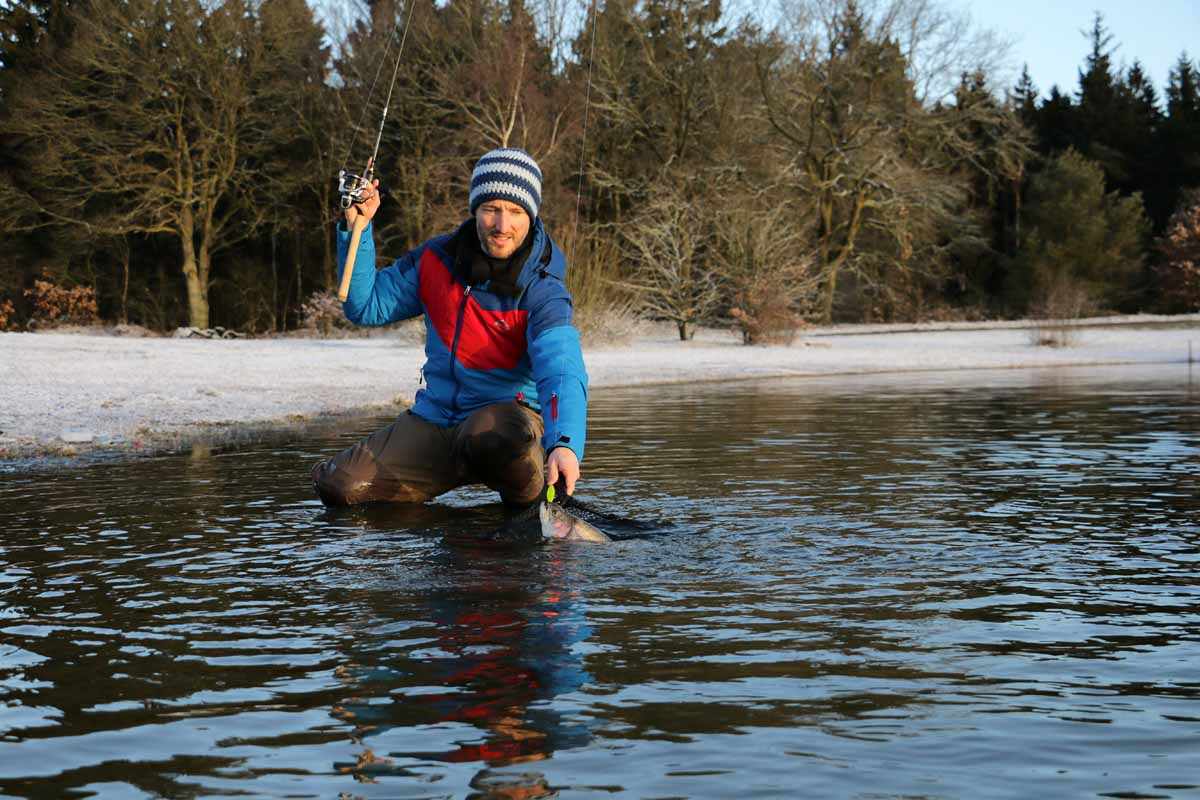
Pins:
x,y
868,588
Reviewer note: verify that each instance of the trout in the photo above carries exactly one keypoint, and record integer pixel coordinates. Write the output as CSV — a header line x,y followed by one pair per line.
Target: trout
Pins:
x,y
558,523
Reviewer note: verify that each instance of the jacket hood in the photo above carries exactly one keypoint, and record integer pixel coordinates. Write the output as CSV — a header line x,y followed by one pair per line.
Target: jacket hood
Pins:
x,y
544,257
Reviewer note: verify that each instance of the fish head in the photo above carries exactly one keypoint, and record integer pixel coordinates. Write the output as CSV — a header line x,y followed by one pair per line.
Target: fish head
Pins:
x,y
556,523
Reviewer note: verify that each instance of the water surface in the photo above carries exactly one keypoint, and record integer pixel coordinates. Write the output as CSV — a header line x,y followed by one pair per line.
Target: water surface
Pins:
x,y
871,588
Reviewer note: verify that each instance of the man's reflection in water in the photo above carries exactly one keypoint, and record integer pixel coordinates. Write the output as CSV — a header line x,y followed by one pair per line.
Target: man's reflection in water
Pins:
x,y
505,632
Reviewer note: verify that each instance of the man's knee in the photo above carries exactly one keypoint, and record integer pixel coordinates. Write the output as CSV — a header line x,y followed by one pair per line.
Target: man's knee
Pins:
x,y
498,435
334,487
500,447
339,485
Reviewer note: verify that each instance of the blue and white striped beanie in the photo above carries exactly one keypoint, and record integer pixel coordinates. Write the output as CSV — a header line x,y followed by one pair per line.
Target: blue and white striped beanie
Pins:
x,y
507,173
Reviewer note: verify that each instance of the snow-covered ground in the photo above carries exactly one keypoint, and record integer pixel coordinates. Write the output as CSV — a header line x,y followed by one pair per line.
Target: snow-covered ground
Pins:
x,y
75,392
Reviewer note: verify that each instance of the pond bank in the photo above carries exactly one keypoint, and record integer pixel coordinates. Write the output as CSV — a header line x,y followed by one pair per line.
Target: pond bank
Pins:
x,y
67,397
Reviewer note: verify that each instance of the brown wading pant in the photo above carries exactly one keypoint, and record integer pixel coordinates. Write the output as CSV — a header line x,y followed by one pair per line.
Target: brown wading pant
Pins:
x,y
413,460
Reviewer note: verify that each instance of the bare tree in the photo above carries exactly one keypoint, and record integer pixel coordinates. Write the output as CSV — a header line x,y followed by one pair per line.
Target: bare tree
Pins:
x,y
554,18
501,87
763,256
669,241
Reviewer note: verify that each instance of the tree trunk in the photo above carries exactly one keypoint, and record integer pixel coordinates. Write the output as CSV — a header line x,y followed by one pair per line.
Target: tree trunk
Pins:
x,y
834,266
328,256
194,273
827,261
125,255
297,249
274,285
329,271
204,263
1016,243
830,291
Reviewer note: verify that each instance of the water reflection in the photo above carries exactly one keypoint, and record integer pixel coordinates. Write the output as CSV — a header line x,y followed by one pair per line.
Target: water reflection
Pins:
x,y
501,634
902,587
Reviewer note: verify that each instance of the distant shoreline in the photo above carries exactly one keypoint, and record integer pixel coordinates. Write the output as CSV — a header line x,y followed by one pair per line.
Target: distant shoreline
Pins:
x,y
74,398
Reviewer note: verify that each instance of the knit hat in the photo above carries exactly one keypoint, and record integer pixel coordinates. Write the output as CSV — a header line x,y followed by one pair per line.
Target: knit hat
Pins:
x,y
507,173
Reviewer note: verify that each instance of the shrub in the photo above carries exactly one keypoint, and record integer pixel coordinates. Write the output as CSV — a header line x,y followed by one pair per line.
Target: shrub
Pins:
x,y
607,324
322,312
55,305
764,315
1059,305
1179,275
605,311
7,312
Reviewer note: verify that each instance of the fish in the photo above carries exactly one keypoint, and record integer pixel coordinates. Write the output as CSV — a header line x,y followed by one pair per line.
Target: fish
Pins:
x,y
542,523
558,523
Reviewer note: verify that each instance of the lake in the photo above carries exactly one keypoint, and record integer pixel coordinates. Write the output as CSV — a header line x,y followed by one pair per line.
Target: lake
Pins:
x,y
941,586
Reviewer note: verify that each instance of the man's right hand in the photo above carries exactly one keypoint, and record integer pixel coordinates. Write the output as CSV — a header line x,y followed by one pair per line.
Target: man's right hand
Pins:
x,y
366,207
563,462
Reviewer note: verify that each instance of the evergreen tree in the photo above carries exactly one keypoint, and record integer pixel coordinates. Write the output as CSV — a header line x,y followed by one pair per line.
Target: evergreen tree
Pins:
x,y
654,97
994,150
31,32
1183,94
1137,120
1057,124
1079,238
1097,85
257,293
1025,99
1180,139
1142,96
1098,130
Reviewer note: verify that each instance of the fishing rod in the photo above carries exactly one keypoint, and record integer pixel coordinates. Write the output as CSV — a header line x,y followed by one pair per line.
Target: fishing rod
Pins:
x,y
587,105
352,186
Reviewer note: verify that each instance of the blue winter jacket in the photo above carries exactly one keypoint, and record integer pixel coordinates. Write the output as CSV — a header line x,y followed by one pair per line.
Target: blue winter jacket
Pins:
x,y
481,346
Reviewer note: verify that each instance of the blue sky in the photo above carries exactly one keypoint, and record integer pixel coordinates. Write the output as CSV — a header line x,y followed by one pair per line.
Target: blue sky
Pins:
x,y
1046,34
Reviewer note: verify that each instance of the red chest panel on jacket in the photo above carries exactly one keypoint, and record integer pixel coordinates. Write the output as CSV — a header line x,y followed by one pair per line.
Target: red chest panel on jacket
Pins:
x,y
487,339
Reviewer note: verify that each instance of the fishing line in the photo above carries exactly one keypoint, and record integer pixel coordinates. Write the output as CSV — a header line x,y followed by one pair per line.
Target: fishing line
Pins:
x,y
412,4
375,81
587,106
370,93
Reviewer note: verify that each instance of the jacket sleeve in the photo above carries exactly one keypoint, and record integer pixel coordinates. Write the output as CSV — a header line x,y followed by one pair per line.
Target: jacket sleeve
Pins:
x,y
378,297
560,374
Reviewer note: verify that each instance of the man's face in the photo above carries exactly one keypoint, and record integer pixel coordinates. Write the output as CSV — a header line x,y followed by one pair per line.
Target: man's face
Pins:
x,y
502,226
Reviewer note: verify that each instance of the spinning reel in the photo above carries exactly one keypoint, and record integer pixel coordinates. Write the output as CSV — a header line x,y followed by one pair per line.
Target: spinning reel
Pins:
x,y
351,187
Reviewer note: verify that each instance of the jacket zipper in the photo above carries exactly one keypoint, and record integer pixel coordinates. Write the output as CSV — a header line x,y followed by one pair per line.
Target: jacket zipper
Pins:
x,y
462,310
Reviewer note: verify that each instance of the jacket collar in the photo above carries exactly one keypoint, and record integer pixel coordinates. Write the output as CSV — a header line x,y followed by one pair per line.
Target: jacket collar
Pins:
x,y
535,255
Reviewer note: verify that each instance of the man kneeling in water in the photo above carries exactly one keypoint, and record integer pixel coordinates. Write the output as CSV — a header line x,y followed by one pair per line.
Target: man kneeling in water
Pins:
x,y
505,394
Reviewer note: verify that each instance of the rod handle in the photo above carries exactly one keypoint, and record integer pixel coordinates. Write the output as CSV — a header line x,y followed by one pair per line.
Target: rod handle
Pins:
x,y
360,224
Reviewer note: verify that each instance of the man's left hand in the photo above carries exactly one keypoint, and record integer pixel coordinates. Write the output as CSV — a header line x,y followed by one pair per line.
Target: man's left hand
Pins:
x,y
563,461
